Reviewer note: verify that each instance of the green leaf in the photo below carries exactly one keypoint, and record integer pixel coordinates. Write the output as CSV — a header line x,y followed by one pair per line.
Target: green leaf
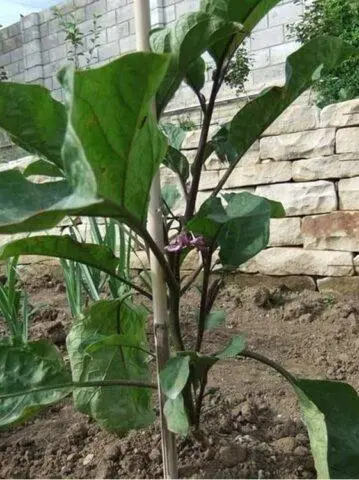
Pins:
x,y
189,38
27,206
244,13
240,229
235,347
215,319
24,367
177,162
117,409
103,160
90,254
174,133
170,195
196,75
331,414
35,121
302,68
176,416
43,167
174,376
109,132
92,344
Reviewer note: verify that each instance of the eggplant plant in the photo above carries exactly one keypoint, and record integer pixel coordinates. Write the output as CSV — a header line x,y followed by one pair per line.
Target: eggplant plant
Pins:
x,y
105,145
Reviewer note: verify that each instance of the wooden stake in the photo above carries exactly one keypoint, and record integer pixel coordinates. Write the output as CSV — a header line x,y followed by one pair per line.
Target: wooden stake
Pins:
x,y
159,290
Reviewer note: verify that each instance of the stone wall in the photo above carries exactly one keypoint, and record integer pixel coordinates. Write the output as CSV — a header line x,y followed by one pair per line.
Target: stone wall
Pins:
x,y
308,160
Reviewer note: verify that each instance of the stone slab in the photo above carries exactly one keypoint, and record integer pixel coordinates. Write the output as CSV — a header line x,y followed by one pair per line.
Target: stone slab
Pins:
x,y
302,198
332,166
298,261
333,231
285,232
296,118
347,140
342,285
260,174
348,190
340,114
293,146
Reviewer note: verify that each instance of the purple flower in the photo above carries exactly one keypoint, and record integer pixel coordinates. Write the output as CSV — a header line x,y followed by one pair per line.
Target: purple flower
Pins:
x,y
185,240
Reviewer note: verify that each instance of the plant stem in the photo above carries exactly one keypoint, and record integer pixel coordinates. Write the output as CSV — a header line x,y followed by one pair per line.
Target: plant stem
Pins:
x,y
199,400
156,250
223,180
208,112
207,260
267,361
174,306
198,161
190,281
94,383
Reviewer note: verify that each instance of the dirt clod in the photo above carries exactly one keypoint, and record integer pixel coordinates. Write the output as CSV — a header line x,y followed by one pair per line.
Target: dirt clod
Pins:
x,y
231,455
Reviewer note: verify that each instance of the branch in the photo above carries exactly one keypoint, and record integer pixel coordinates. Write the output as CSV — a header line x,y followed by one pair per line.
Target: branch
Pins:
x,y
223,180
189,282
267,361
207,260
134,286
94,383
138,228
198,162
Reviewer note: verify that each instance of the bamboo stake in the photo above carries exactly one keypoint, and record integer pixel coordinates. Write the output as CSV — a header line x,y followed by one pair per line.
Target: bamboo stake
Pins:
x,y
159,290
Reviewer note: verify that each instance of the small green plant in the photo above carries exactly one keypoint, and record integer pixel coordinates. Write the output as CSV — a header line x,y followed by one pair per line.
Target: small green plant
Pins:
x,y
339,18
14,306
186,123
85,284
75,37
107,144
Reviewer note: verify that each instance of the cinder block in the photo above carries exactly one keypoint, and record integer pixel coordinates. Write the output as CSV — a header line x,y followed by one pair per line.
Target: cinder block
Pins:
x,y
267,38
285,14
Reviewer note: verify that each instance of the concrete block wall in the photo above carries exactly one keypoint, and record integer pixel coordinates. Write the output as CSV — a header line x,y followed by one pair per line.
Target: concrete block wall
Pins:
x,y
34,49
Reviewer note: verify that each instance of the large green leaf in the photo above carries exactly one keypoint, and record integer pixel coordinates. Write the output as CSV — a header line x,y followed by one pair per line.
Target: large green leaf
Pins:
x,y
331,414
25,367
100,257
103,150
117,409
187,40
302,68
35,121
240,229
247,13
115,132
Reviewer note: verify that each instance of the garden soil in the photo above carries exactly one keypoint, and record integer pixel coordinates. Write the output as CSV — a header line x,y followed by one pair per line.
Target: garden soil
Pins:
x,y
251,426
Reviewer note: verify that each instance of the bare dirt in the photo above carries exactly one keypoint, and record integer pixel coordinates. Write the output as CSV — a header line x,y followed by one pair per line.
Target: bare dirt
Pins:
x,y
251,426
